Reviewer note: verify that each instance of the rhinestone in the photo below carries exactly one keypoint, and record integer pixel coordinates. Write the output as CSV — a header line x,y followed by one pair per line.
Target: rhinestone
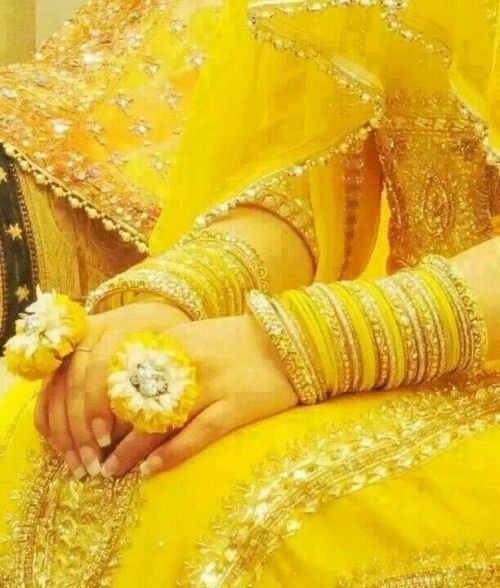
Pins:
x,y
149,381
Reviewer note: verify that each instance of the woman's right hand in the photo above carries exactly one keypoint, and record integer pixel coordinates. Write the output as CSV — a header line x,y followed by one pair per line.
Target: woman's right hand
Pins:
x,y
73,411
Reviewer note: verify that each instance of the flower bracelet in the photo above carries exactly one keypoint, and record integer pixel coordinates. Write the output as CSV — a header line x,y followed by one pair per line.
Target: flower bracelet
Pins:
x,y
151,381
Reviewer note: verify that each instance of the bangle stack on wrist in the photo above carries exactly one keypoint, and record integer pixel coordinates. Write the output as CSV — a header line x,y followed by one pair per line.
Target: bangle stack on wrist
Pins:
x,y
349,336
206,275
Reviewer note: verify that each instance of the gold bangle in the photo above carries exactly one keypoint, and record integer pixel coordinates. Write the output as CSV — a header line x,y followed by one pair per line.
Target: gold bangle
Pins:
x,y
418,333
405,327
312,391
433,326
266,313
354,374
177,292
380,330
340,382
236,247
397,352
436,289
361,333
298,303
476,320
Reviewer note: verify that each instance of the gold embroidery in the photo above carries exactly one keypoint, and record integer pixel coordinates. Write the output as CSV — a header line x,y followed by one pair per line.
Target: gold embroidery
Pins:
x,y
3,175
395,439
59,526
438,566
54,113
440,200
282,192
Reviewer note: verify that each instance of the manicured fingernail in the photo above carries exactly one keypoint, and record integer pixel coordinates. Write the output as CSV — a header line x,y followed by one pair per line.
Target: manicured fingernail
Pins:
x,y
152,465
75,465
90,461
110,466
101,431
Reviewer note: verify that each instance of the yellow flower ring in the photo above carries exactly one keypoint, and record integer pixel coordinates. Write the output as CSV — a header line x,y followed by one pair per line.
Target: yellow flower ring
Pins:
x,y
48,331
152,383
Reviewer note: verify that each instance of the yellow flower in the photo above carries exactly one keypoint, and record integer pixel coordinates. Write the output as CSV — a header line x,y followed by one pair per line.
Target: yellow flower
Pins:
x,y
46,333
152,383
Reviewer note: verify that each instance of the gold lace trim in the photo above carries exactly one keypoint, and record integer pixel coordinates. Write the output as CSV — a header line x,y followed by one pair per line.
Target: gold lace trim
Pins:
x,y
65,532
275,191
439,566
393,14
395,439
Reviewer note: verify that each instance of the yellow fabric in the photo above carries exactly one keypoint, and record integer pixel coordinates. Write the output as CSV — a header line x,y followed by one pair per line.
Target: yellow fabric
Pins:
x,y
294,111
254,111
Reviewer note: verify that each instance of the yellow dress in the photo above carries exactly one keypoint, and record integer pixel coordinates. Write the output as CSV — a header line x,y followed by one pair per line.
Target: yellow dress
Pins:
x,y
394,489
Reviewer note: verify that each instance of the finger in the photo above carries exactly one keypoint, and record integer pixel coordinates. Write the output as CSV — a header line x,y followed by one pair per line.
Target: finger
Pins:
x,y
97,407
130,452
59,429
81,431
210,425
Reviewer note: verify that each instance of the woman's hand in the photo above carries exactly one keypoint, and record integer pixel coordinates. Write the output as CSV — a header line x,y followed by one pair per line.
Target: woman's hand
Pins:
x,y
241,380
73,411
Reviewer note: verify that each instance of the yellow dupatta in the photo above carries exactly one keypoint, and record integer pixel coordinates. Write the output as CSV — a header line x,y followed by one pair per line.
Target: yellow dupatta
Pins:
x,y
318,72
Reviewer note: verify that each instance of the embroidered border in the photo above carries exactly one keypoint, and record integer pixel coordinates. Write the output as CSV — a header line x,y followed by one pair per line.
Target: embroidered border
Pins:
x,y
395,439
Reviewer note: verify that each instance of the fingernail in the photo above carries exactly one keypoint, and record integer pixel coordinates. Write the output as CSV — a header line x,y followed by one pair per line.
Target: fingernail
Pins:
x,y
101,431
75,465
110,467
152,465
90,461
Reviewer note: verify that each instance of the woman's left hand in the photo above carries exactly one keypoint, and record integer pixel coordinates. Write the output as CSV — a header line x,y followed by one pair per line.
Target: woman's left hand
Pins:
x,y
241,380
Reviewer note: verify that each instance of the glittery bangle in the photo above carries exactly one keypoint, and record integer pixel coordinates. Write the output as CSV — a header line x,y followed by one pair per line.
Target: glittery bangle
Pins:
x,y
175,291
406,327
183,278
477,324
270,316
418,333
364,332
342,361
313,391
432,324
298,304
436,289
235,246
355,376
364,291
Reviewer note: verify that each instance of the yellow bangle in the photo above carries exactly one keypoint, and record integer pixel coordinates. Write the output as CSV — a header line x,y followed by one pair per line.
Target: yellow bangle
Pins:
x,y
475,333
436,289
362,334
370,299
405,328
313,391
433,326
299,303
353,375
340,376
270,316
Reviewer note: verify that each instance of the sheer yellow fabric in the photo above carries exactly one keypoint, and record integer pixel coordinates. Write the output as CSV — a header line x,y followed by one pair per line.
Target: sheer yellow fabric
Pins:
x,y
321,71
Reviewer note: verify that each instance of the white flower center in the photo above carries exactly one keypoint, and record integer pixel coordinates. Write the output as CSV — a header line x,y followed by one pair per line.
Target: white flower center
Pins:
x,y
149,381
32,324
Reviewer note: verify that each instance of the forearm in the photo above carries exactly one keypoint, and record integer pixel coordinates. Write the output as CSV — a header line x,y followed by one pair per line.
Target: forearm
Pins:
x,y
209,272
285,254
405,329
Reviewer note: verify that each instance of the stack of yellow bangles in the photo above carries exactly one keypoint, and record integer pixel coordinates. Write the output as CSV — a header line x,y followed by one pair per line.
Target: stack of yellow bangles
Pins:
x,y
347,336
